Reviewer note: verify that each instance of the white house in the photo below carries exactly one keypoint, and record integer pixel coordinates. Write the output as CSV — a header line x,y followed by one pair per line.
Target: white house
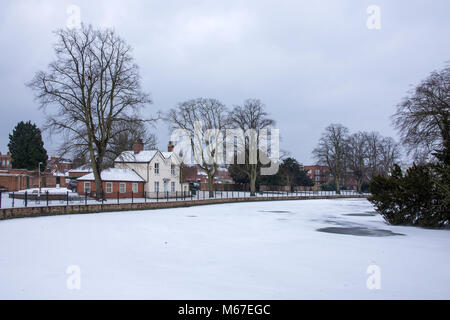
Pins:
x,y
155,167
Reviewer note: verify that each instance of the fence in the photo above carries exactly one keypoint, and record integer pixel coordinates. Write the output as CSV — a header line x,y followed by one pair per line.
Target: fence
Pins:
x,y
25,200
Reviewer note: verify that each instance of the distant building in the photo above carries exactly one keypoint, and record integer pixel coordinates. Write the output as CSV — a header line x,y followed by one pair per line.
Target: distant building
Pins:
x,y
5,161
61,165
194,174
320,175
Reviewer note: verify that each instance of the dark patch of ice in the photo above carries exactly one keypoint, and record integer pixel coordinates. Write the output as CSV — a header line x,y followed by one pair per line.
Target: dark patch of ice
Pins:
x,y
371,214
360,232
276,211
192,216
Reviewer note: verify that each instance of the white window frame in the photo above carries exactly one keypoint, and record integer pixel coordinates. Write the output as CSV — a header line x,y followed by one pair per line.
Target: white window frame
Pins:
x,y
135,188
172,169
156,186
109,187
157,168
87,187
124,189
172,186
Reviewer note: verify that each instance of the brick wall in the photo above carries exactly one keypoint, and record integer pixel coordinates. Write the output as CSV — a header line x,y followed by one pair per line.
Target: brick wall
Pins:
x,y
115,189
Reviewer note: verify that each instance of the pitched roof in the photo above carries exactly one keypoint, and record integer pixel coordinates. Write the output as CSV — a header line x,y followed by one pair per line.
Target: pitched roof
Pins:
x,y
130,156
167,155
115,174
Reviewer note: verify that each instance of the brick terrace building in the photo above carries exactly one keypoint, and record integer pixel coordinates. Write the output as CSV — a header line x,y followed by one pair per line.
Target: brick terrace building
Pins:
x,y
5,161
122,183
320,175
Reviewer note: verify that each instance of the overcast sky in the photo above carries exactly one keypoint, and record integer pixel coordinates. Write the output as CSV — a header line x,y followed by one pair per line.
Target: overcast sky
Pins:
x,y
311,62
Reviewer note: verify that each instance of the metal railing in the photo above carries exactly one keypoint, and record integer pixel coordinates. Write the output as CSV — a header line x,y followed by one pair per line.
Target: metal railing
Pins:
x,y
20,200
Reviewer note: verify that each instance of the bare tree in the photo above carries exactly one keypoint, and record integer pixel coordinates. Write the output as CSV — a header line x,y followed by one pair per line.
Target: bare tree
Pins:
x,y
211,114
90,91
357,157
129,134
331,151
373,153
423,117
250,116
389,155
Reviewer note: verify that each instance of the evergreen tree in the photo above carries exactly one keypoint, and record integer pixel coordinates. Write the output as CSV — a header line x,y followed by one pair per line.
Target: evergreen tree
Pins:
x,y
26,147
420,197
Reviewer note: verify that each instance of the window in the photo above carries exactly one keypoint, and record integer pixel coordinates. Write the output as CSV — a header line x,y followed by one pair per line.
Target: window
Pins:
x,y
109,187
172,186
135,188
172,170
87,187
156,186
156,168
317,172
122,188
317,179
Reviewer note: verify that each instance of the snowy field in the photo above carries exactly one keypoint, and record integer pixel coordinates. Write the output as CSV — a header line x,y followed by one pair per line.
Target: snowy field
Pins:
x,y
267,250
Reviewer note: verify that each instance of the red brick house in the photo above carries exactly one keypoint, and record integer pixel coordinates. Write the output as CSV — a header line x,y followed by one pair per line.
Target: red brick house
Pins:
x,y
122,183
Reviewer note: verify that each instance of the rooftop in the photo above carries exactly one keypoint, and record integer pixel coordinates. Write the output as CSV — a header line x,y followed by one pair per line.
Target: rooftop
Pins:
x,y
114,174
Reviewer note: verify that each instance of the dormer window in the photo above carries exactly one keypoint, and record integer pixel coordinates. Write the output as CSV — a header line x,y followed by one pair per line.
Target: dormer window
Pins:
x,y
172,169
156,168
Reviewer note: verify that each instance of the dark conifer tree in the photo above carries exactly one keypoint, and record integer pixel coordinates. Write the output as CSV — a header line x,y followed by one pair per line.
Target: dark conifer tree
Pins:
x,y
26,147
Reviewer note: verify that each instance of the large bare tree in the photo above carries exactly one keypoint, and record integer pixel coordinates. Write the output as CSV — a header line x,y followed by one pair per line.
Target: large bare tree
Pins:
x,y
331,151
389,155
90,92
357,157
423,117
198,117
250,118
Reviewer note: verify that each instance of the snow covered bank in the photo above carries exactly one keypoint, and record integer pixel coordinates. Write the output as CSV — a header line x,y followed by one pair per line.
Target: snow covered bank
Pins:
x,y
267,250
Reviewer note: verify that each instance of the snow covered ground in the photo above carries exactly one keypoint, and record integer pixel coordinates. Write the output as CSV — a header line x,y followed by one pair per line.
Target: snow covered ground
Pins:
x,y
267,250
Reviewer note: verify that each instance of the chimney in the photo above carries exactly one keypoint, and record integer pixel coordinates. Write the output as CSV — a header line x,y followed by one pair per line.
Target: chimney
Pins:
x,y
170,147
138,146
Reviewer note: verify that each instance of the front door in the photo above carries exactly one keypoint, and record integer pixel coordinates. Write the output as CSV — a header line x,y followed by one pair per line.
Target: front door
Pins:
x,y
166,186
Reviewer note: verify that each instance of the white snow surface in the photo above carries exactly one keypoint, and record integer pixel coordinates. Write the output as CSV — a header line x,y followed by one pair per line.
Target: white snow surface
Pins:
x,y
261,250
115,174
52,191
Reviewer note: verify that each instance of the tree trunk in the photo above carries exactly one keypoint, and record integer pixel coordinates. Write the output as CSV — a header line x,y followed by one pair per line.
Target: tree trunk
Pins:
x,y
253,185
211,185
359,185
338,184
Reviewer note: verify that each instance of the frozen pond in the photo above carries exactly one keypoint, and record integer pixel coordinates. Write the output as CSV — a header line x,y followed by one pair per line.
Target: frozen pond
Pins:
x,y
311,249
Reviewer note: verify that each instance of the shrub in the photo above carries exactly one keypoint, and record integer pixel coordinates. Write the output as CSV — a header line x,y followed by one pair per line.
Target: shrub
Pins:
x,y
419,198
